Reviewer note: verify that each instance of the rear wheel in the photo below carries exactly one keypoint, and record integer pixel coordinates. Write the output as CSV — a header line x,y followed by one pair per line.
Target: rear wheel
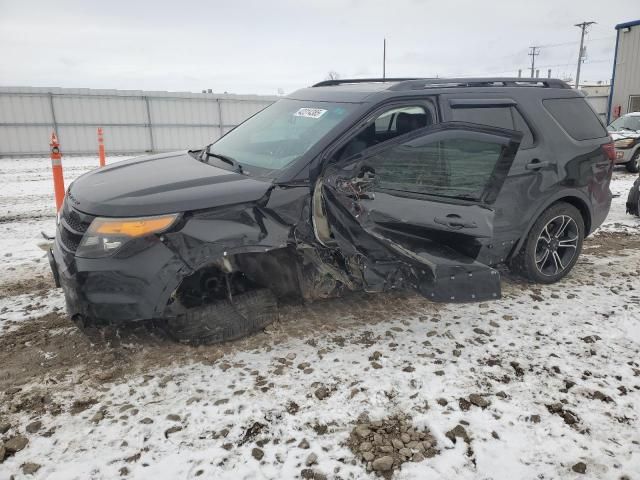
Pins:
x,y
552,246
633,166
225,320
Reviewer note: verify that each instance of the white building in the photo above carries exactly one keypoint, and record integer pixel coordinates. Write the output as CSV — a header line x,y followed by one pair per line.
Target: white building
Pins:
x,y
625,81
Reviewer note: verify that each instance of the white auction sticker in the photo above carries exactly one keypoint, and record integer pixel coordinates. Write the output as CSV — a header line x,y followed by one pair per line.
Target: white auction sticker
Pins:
x,y
310,112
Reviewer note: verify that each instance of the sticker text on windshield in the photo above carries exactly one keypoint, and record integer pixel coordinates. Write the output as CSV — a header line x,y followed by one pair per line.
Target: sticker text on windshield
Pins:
x,y
310,112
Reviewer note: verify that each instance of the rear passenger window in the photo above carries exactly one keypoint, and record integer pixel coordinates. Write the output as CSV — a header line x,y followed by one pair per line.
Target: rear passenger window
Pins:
x,y
460,167
502,117
575,117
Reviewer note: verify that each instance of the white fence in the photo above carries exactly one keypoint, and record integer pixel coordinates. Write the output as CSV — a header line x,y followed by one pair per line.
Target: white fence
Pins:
x,y
133,121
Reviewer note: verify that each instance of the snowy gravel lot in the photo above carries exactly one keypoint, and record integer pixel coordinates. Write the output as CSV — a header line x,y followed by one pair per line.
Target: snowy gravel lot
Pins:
x,y
542,384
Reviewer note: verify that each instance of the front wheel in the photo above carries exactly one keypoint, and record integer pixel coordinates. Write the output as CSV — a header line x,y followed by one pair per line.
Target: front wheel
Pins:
x,y
225,320
633,166
553,245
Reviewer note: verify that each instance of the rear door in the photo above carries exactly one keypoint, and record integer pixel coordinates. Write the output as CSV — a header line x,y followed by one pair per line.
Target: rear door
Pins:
x,y
532,176
417,209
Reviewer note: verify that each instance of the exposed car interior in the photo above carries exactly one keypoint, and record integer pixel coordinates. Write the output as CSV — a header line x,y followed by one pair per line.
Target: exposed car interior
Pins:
x,y
391,124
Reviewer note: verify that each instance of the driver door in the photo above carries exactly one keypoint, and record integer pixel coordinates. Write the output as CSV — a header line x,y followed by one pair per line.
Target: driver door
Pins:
x,y
417,209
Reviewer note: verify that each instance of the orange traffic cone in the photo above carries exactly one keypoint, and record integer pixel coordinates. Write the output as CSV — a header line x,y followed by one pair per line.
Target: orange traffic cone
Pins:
x,y
56,167
101,147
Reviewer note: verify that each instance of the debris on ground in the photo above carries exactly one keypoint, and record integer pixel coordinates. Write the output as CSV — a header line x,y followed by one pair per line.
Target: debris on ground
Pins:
x,y
384,445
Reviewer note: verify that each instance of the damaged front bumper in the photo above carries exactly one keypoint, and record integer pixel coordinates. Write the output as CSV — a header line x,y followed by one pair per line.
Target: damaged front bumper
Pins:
x,y
116,289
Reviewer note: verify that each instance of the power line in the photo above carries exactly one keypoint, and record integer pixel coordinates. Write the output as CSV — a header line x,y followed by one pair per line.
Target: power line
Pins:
x,y
568,63
563,44
384,58
583,27
533,51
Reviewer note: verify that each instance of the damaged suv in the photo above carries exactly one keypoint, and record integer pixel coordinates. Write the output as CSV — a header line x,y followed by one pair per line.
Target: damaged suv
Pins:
x,y
367,185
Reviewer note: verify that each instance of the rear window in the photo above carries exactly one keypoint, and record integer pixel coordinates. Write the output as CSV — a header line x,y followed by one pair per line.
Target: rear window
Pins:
x,y
575,117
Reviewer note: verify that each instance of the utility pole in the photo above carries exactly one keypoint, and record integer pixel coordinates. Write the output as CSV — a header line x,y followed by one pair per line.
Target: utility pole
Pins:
x,y
533,51
384,58
583,26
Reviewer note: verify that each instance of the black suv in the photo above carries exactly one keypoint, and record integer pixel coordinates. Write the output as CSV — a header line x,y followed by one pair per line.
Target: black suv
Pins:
x,y
348,185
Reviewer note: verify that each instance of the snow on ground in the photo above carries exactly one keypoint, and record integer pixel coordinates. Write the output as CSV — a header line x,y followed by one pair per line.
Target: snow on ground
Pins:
x,y
16,309
27,208
618,220
558,366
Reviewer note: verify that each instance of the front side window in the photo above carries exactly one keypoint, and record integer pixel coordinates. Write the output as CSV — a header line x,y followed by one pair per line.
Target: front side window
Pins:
x,y
458,167
281,133
390,124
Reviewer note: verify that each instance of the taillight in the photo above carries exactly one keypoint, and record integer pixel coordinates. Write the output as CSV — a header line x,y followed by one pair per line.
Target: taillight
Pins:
x,y
609,150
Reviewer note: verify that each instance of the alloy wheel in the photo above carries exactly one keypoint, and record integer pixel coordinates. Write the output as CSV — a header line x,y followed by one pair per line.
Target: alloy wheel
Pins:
x,y
557,245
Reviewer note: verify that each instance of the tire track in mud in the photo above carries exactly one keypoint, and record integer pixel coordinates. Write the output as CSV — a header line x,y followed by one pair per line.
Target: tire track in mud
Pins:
x,y
26,217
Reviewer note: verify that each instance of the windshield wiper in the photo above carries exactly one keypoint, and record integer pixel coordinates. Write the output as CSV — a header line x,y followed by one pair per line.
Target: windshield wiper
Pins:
x,y
224,158
627,128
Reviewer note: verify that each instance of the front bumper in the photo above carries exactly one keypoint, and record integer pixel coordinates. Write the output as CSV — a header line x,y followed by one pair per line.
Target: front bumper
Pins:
x,y
624,155
114,289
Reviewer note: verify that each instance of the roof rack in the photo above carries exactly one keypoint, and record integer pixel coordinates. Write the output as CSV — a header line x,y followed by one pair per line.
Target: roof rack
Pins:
x,y
331,83
419,84
400,84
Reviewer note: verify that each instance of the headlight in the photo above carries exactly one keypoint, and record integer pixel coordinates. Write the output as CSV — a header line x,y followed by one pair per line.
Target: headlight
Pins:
x,y
624,142
105,236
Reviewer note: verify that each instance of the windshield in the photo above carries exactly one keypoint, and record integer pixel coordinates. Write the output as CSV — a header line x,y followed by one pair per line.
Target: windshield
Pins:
x,y
628,122
281,133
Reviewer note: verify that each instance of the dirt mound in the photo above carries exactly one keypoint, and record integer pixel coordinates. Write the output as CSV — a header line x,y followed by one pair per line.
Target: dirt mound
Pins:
x,y
384,445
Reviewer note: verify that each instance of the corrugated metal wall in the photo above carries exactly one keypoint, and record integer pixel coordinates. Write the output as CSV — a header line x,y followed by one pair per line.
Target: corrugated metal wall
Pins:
x,y
627,65
133,121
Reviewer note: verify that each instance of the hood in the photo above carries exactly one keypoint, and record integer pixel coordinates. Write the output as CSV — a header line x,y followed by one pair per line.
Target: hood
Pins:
x,y
618,134
157,184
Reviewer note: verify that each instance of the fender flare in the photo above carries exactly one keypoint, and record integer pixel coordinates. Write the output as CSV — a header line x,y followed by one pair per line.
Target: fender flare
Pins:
x,y
572,196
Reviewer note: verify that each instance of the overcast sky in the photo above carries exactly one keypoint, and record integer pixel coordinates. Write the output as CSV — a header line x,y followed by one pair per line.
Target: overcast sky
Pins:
x,y
246,46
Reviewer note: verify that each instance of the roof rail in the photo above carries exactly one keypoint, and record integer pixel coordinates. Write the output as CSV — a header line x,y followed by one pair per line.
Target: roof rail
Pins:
x,y
417,83
331,83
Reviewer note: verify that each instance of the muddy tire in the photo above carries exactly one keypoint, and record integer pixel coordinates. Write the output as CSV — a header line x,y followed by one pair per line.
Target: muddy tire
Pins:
x,y
552,246
633,200
224,320
633,166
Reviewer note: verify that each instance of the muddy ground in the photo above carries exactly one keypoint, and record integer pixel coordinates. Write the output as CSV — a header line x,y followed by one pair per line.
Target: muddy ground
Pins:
x,y
365,386
92,355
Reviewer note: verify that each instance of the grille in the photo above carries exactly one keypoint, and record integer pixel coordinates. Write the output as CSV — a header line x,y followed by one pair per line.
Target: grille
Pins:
x,y
72,227
70,240
74,221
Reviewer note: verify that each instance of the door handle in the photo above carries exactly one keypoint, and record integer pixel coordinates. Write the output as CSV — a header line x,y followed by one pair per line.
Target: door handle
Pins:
x,y
536,164
455,222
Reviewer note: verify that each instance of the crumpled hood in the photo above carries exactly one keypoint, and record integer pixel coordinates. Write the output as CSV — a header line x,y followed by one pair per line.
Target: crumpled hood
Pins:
x,y
618,134
157,184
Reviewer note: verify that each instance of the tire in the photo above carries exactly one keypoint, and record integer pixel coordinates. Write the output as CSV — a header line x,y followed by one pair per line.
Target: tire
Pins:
x,y
225,320
633,165
545,257
633,200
